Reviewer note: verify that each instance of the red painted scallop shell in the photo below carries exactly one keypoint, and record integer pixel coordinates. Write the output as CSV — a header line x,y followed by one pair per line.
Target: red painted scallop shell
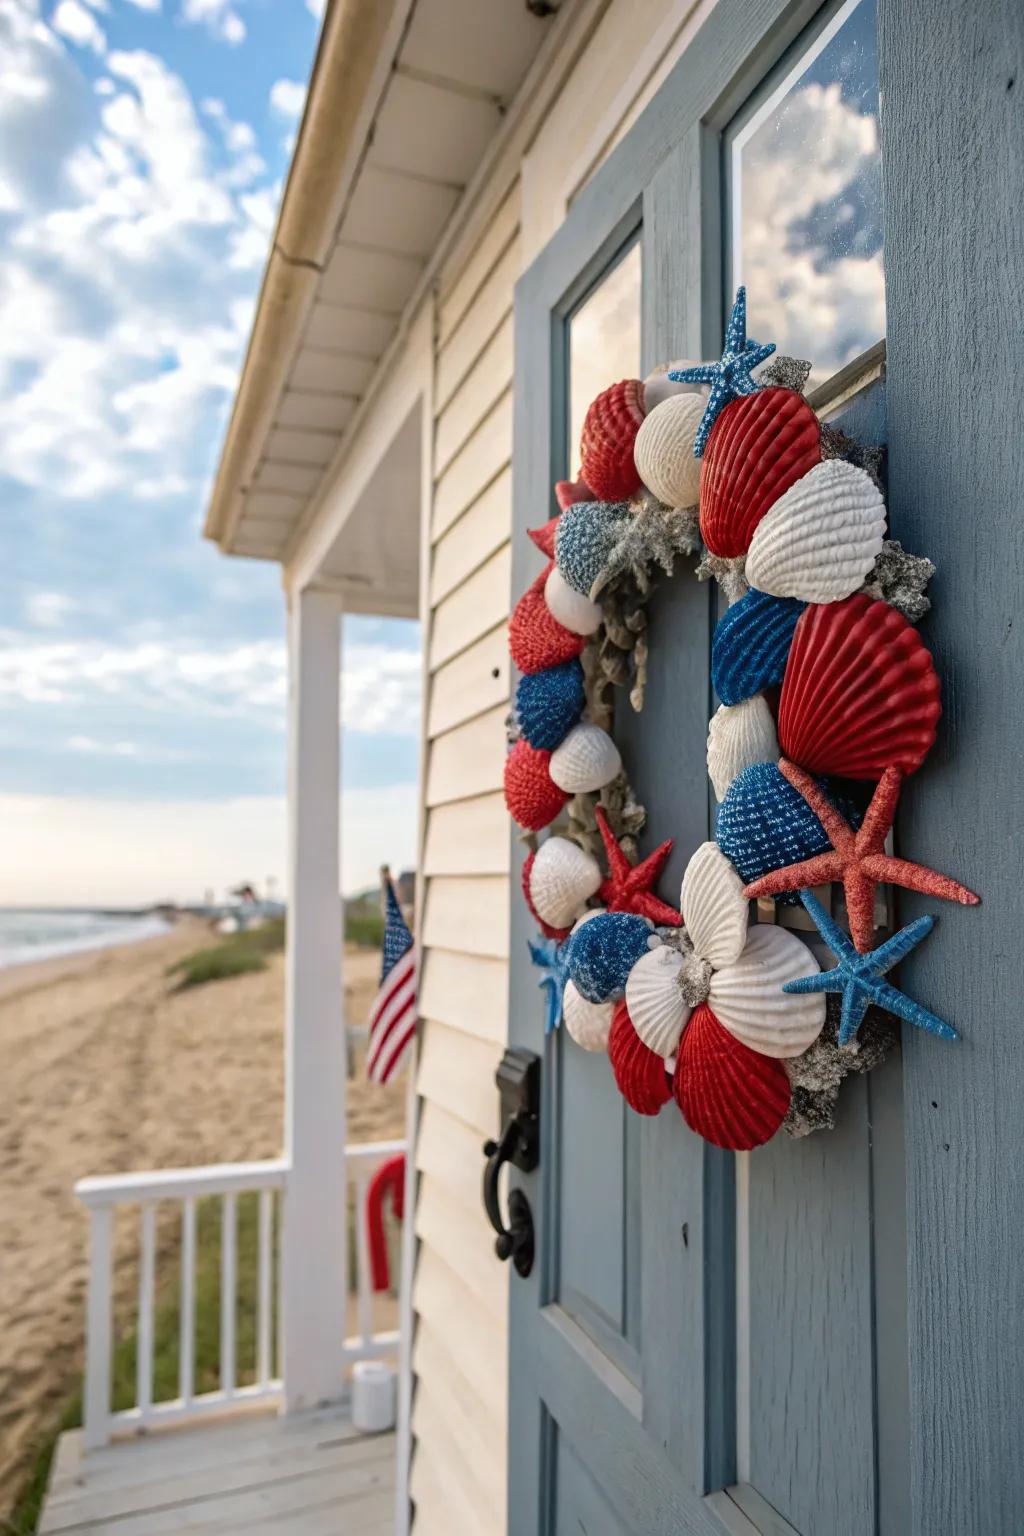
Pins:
x,y
729,1094
758,448
606,446
545,928
639,1073
535,637
531,794
860,693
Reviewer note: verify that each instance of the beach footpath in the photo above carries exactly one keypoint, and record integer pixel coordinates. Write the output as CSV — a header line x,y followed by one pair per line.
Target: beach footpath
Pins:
x,y
105,1066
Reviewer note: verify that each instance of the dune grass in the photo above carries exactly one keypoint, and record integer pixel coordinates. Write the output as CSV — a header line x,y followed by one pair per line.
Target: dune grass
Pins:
x,y
234,955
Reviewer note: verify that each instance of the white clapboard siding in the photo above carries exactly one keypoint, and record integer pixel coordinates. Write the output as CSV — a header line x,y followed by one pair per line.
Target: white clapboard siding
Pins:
x,y
481,530
478,393
468,837
455,1397
457,1072
476,1346
437,1439
468,992
465,1237
448,1149
477,463
481,322
468,914
480,604
460,289
474,681
469,760
458,1476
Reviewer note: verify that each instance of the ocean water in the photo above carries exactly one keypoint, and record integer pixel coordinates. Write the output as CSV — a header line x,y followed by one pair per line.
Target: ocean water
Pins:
x,y
38,934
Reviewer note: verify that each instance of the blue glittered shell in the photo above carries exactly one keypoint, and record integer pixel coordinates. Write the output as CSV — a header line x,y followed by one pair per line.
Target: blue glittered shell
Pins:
x,y
584,538
549,704
603,951
751,644
764,823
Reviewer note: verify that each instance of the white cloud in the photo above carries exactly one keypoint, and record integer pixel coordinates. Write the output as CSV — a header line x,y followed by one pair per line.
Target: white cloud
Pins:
x,y
287,97
93,748
218,17
146,5
316,8
49,610
111,852
79,26
380,687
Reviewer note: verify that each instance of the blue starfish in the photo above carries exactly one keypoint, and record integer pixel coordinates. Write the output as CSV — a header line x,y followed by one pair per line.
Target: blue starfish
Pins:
x,y
859,977
548,955
730,376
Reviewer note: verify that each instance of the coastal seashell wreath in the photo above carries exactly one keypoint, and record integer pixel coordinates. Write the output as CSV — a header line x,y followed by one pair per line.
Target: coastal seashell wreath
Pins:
x,y
821,677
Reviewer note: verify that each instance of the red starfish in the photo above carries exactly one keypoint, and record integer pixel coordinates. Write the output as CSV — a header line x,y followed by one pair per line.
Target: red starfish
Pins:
x,y
629,887
858,859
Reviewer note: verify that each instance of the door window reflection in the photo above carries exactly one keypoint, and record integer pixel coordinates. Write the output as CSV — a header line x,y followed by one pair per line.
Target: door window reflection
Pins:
x,y
603,343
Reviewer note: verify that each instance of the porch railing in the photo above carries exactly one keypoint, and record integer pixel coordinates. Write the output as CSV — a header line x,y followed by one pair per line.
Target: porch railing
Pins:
x,y
184,1188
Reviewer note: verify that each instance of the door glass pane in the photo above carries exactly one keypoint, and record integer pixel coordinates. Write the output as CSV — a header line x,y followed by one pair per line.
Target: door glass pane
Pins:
x,y
807,200
604,342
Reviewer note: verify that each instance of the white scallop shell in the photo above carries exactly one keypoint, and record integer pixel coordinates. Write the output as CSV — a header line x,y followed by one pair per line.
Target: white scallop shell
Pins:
x,y
563,876
714,906
663,450
819,541
658,386
588,1023
747,997
656,1005
570,607
739,736
587,760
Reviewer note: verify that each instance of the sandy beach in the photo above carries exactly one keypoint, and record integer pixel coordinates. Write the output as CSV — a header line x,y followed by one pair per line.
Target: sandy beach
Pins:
x,y
105,1069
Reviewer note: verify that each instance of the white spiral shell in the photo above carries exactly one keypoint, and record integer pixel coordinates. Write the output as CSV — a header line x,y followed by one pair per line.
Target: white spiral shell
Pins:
x,y
655,1002
663,450
819,541
572,610
739,736
586,761
588,1023
563,877
714,906
747,997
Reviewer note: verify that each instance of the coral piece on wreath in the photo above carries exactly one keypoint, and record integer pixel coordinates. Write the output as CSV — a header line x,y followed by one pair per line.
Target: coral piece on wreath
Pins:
x,y
651,536
858,858
732,1096
639,1073
536,640
816,1076
860,692
729,377
901,579
606,445
630,887
760,447
532,796
859,979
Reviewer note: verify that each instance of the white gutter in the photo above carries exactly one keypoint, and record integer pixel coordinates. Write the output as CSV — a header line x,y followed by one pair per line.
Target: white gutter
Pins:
x,y
354,58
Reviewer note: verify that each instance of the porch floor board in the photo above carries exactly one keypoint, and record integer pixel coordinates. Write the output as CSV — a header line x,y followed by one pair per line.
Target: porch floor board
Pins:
x,y
308,1475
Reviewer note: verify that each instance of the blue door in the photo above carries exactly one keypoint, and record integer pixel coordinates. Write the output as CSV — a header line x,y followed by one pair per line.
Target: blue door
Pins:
x,y
788,1340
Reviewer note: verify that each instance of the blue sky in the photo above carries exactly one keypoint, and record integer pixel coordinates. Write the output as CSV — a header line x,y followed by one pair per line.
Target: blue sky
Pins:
x,y
143,145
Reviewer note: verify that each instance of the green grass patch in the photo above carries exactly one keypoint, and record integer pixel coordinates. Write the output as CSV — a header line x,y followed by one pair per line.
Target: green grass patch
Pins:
x,y
235,955
364,926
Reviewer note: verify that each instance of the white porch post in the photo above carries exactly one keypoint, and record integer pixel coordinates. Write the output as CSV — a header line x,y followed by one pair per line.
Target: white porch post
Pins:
x,y
313,1257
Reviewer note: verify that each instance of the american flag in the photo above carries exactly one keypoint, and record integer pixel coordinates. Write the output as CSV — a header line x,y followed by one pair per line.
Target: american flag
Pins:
x,y
393,1015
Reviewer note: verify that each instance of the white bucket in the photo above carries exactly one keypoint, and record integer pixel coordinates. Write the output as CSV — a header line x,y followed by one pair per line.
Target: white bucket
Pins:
x,y
373,1396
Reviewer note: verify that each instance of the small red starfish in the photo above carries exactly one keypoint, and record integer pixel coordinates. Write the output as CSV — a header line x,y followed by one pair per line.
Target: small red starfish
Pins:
x,y
858,859
629,886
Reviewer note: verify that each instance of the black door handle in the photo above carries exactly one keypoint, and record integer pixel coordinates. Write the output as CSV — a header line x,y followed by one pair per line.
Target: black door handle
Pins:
x,y
515,1241
518,1080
